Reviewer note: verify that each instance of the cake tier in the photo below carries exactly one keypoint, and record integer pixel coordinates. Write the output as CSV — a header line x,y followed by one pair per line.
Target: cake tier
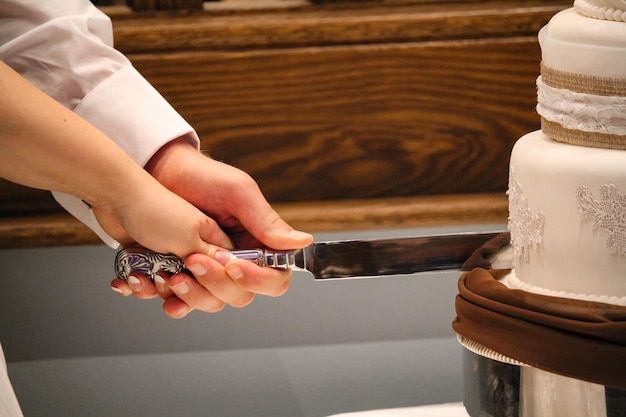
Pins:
x,y
574,43
568,216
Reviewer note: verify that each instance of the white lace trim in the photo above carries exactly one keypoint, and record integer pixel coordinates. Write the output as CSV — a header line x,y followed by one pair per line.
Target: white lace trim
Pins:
x,y
581,111
608,214
525,226
602,9
514,283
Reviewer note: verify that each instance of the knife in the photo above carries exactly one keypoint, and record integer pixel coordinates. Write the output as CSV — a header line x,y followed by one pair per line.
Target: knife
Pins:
x,y
337,259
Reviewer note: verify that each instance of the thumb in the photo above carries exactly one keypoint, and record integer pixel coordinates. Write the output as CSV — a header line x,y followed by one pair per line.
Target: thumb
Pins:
x,y
256,215
266,225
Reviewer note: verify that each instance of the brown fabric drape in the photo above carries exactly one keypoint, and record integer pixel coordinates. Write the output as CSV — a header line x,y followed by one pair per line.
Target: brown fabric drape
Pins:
x,y
579,339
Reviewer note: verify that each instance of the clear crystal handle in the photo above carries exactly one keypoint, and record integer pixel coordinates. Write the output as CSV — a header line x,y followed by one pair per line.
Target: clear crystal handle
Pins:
x,y
141,260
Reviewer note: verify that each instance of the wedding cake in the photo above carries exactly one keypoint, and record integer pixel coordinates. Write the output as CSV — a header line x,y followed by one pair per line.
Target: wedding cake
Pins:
x,y
551,333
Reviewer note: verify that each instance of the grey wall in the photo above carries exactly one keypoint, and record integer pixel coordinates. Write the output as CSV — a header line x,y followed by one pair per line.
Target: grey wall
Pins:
x,y
76,348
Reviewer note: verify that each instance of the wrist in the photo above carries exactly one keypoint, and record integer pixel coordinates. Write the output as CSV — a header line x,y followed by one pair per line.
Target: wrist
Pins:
x,y
172,155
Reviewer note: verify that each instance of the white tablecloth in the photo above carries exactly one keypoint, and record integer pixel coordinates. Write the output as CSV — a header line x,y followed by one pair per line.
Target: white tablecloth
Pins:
x,y
438,410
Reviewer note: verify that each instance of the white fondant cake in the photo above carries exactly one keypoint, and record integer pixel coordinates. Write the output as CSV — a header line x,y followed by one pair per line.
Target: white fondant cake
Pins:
x,y
567,201
567,185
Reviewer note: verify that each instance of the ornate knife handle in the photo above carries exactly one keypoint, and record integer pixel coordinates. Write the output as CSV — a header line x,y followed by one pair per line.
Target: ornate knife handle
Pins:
x,y
147,262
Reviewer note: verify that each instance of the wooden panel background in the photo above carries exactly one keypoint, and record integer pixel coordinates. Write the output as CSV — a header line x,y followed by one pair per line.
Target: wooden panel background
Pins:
x,y
335,123
349,116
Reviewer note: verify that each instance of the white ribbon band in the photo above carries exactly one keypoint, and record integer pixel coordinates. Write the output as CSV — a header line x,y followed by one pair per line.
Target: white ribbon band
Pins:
x,y
582,118
580,111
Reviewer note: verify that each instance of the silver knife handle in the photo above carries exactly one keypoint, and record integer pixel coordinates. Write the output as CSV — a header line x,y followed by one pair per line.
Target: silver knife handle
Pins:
x,y
277,259
147,262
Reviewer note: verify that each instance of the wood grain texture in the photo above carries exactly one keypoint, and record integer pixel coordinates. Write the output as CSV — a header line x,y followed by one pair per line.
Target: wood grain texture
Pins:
x,y
302,24
396,213
366,122
44,230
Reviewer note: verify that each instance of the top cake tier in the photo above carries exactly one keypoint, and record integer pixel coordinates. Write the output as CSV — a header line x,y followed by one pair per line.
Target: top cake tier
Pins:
x,y
581,94
575,43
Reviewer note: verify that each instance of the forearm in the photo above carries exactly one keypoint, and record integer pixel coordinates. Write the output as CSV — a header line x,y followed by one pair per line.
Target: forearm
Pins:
x,y
65,48
44,145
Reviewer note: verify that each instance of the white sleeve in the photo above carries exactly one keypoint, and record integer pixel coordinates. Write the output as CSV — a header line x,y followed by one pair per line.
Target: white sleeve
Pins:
x,y
9,406
65,48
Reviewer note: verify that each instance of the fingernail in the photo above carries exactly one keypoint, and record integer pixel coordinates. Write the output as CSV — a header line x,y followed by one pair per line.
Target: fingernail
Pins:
x,y
234,271
117,290
223,257
160,283
198,270
134,283
299,235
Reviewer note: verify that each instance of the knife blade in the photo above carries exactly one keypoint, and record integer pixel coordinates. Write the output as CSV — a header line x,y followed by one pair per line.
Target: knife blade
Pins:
x,y
336,259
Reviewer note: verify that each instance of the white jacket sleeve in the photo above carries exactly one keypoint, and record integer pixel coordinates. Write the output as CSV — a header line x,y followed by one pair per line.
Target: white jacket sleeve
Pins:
x,y
65,48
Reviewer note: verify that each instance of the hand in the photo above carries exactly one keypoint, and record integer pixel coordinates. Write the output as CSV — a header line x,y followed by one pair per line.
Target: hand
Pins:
x,y
226,194
234,201
221,280
234,282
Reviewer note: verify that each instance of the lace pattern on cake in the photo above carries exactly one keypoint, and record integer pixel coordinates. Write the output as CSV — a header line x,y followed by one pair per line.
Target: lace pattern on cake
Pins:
x,y
602,9
582,111
608,214
525,226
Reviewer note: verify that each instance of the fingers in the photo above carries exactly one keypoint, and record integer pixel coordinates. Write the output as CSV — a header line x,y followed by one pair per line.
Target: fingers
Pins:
x,y
189,295
138,285
210,291
142,287
212,275
237,276
176,308
220,282
259,280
